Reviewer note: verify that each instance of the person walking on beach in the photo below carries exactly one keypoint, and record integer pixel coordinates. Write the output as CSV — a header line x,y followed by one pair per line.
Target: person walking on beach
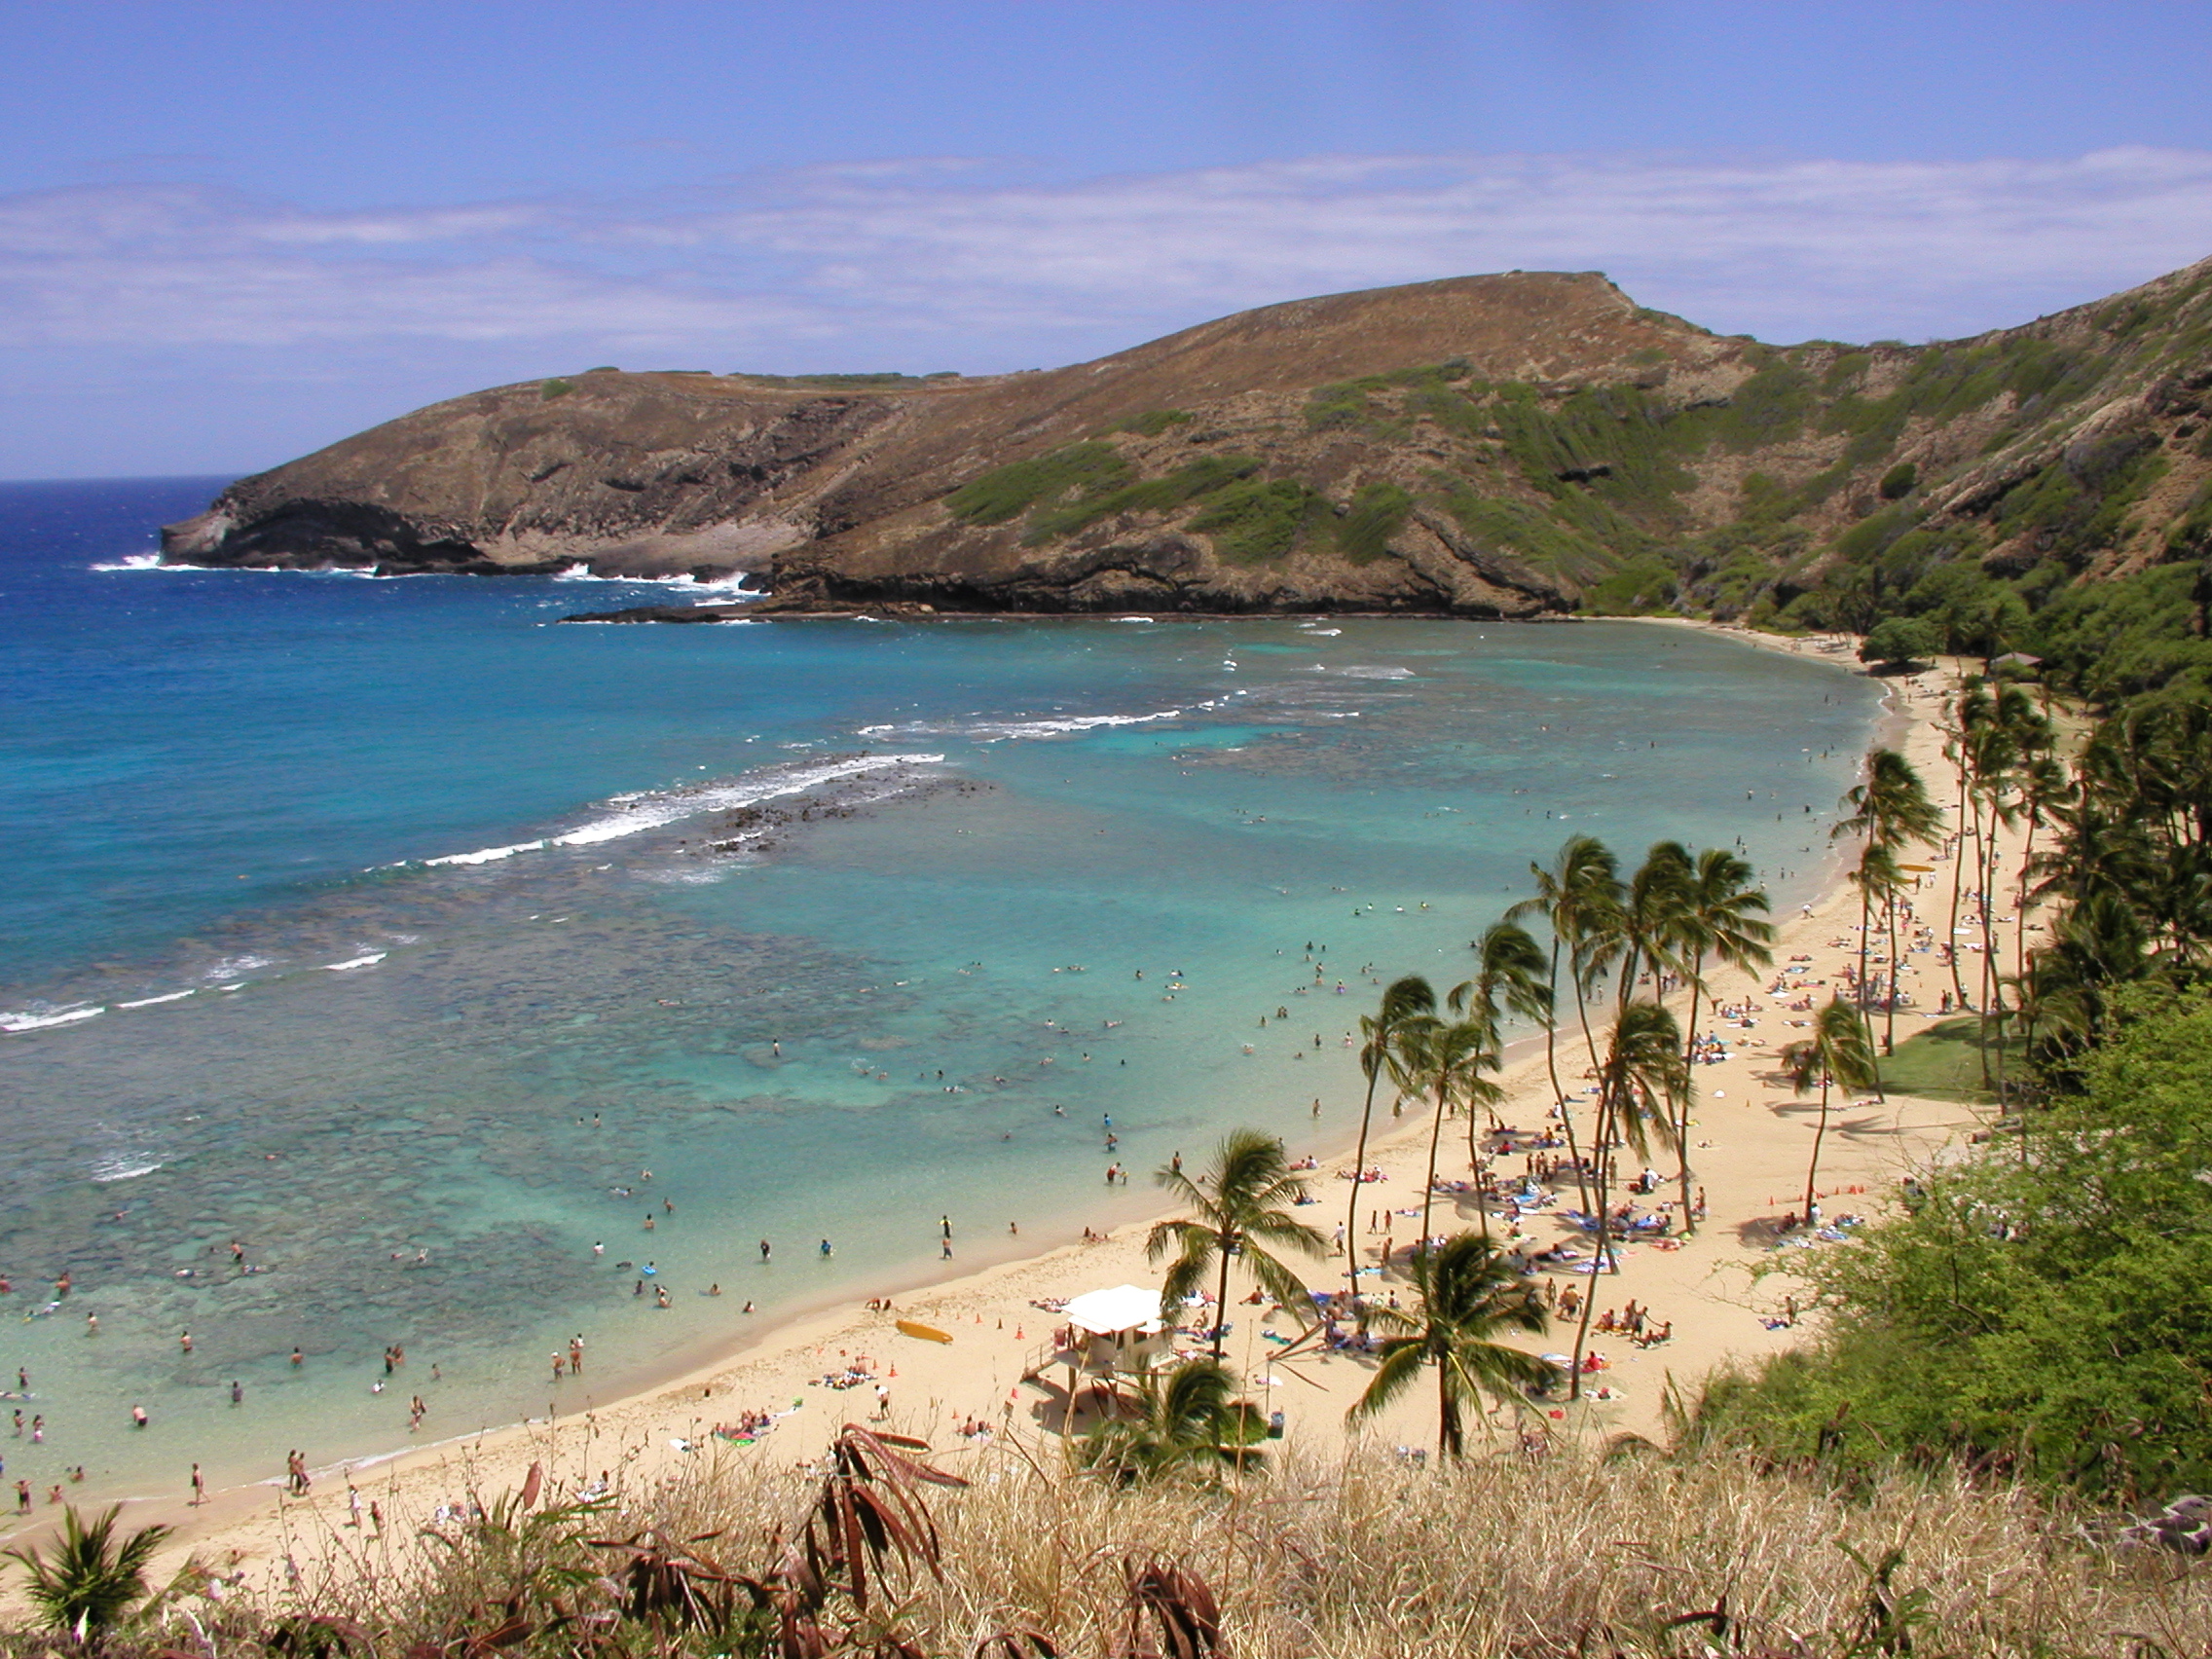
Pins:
x,y
199,1486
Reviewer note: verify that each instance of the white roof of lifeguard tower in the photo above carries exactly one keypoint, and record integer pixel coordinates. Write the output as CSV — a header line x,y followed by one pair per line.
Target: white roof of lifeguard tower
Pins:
x,y
1124,1307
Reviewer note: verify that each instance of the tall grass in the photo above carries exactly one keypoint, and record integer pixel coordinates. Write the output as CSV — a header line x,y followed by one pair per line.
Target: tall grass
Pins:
x,y
1366,1555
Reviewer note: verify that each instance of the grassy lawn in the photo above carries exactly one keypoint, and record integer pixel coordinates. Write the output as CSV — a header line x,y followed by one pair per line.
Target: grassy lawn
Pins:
x,y
1943,1063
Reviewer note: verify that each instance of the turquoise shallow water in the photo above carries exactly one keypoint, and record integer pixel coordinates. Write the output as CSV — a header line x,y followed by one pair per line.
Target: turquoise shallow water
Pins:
x,y
419,1091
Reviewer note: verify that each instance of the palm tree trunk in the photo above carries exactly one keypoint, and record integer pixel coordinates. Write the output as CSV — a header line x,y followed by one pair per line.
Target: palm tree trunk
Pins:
x,y
1957,874
1596,1265
1683,1121
1358,1190
1812,1170
1896,980
1450,1441
1866,924
1558,1095
1223,1242
1429,1193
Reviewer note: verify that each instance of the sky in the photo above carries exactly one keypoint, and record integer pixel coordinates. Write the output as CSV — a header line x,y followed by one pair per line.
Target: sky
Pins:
x,y
232,232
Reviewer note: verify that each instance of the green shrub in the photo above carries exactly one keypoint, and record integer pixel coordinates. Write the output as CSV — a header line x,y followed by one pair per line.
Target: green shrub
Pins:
x,y
1007,491
1152,423
1377,514
1898,481
2046,1315
1253,520
1641,586
1187,483
553,388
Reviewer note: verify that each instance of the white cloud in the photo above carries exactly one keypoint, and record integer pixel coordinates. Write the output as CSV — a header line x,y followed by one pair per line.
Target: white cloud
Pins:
x,y
808,266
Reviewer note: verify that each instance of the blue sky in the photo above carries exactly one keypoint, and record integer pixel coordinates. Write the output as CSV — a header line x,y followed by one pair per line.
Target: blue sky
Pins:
x,y
232,231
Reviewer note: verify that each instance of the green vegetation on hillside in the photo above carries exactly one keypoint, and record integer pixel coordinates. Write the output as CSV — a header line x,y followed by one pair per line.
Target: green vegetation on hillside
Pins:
x,y
2047,1317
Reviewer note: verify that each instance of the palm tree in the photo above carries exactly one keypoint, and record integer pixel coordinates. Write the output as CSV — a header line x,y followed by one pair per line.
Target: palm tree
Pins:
x,y
1464,1295
1879,879
1446,1059
1510,979
1891,810
1974,711
1241,1209
1575,897
1651,917
1643,1070
90,1581
1720,918
1187,1419
1837,1052
1381,1054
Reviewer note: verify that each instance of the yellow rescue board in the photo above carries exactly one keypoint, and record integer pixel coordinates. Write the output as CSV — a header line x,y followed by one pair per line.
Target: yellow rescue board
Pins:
x,y
928,1333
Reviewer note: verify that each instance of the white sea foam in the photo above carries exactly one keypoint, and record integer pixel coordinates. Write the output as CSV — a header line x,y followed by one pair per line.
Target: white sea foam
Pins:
x,y
351,963
650,810
235,968
1002,731
122,1168
1322,633
1132,619
732,586
28,1021
149,1002
1371,672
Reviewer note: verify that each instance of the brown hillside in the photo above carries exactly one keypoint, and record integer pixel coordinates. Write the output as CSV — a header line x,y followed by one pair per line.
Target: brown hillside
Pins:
x,y
1480,445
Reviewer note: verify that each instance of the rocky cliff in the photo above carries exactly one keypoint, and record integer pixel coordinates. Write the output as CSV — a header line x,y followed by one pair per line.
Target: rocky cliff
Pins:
x,y
1484,446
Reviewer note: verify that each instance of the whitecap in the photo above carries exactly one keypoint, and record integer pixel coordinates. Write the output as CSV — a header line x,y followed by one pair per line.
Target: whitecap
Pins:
x,y
351,963
122,1169
650,810
1015,730
42,1021
732,585
149,1002
234,966
1132,619
1371,672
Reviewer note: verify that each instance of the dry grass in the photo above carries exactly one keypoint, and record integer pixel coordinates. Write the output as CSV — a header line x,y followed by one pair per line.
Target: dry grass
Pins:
x,y
1633,1556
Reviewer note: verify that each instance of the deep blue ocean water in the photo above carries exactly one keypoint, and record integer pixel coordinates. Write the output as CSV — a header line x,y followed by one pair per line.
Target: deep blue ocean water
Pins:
x,y
394,931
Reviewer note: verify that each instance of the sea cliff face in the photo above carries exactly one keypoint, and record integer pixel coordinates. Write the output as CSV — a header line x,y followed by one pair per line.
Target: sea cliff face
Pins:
x,y
1485,445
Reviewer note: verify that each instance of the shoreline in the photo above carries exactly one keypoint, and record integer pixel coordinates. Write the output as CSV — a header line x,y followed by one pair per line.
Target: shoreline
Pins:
x,y
757,1369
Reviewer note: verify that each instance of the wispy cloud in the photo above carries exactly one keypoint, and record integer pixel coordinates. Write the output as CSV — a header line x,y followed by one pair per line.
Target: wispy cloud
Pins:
x,y
964,262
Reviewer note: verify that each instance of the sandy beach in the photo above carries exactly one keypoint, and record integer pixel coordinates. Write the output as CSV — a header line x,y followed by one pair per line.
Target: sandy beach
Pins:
x,y
1751,1136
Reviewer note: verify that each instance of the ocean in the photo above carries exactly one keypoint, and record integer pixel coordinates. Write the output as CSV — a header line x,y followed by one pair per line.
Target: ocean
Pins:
x,y
478,975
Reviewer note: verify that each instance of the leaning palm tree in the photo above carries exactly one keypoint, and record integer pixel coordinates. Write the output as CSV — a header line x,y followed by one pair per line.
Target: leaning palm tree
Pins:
x,y
1464,1295
1381,1055
1722,917
1186,1421
1576,898
92,1580
1837,1053
1241,1209
1643,1070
